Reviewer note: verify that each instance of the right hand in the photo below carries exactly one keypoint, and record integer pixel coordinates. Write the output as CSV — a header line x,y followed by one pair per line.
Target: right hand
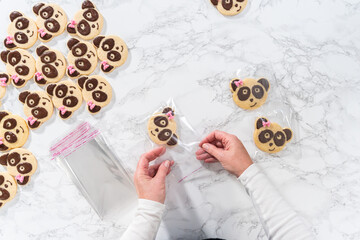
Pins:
x,y
227,149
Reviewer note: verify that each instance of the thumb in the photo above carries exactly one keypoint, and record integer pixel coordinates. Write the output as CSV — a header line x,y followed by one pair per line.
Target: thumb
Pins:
x,y
213,150
162,171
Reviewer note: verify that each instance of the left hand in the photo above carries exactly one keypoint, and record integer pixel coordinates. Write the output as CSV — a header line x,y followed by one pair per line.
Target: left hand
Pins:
x,y
150,180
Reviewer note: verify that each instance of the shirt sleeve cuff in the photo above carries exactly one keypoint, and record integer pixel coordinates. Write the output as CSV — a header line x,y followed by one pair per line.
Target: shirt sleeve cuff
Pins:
x,y
249,173
152,205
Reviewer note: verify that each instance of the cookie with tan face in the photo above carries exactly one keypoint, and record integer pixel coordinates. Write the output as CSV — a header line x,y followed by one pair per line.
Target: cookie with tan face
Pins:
x,y
8,188
22,32
162,128
66,97
229,7
4,82
20,163
271,137
50,65
82,58
20,65
96,91
13,131
87,22
249,93
112,52
51,20
38,107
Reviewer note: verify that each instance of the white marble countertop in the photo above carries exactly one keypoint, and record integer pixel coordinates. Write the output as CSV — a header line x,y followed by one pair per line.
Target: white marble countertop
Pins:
x,y
186,50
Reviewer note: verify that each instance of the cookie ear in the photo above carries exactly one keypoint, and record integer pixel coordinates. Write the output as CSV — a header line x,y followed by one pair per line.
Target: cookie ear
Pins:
x,y
173,140
14,15
81,81
4,55
259,122
36,8
233,86
9,45
50,89
288,132
215,2
3,159
87,4
265,83
23,96
168,109
41,49
3,114
72,42
98,40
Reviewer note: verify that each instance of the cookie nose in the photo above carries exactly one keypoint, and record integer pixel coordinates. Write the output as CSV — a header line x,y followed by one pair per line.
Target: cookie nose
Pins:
x,y
156,130
251,100
28,31
271,144
88,55
93,26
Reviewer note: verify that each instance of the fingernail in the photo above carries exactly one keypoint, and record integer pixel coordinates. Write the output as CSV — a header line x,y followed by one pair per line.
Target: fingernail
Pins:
x,y
205,146
167,164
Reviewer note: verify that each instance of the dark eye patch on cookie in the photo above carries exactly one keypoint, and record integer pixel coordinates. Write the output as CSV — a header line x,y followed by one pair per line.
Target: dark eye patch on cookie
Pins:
x,y
161,121
47,12
10,124
79,50
91,15
13,159
33,100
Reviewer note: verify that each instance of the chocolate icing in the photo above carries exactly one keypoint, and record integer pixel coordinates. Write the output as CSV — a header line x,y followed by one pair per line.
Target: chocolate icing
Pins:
x,y
9,46
37,7
49,71
47,12
14,58
42,81
61,91
74,74
3,161
39,112
10,123
227,4
22,23
95,109
108,44
70,101
114,56
32,100
243,93
2,179
98,40
72,42
4,55
173,141
215,2
83,27
52,25
25,181
91,15
2,115
65,115
259,122
233,85
22,70
265,83
21,38
81,81
36,124
20,82
91,84
265,136
23,96
70,29
288,133
24,168
87,4
41,49
50,89
4,193
257,91
279,139
108,69
3,147
165,134
46,36
82,64
4,75
10,137
13,159
79,50
14,15
48,57
161,121
168,109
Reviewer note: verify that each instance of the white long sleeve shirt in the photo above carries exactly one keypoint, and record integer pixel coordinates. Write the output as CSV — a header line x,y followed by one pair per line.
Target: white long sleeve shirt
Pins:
x,y
279,220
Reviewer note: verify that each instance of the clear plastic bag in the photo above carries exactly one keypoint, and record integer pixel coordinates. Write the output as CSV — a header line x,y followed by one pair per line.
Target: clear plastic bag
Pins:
x,y
276,109
96,171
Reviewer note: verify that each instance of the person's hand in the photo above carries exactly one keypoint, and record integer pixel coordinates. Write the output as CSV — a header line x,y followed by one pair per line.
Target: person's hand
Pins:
x,y
227,149
150,180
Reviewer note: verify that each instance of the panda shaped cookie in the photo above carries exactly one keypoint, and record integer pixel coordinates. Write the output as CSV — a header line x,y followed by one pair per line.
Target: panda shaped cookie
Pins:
x,y
271,137
82,58
13,131
4,82
22,32
249,93
87,22
162,128
66,97
112,52
51,20
229,7
20,65
20,163
38,107
8,188
96,91
50,65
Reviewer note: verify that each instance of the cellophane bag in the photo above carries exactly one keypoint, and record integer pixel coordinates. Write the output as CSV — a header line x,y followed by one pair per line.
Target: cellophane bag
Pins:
x,y
96,171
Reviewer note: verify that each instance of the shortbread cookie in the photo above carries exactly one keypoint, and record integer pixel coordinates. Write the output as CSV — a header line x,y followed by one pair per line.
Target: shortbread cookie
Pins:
x,y
51,20
8,188
20,163
249,93
20,65
82,58
162,128
38,107
50,65
22,32
229,7
87,22
271,137
96,92
112,52
66,97
13,131
4,82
